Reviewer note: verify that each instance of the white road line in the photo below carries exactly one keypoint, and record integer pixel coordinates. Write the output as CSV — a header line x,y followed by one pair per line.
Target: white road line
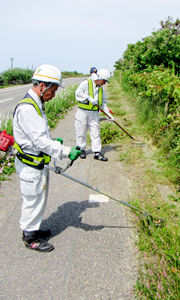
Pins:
x,y
6,100
14,88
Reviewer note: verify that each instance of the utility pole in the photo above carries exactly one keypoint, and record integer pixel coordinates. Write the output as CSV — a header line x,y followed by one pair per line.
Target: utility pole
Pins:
x,y
11,59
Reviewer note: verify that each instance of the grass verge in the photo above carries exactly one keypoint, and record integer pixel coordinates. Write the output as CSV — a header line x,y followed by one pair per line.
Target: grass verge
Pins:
x,y
159,248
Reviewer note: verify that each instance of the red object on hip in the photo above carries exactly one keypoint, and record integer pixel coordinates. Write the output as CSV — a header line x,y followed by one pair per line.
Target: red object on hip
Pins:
x,y
6,140
111,111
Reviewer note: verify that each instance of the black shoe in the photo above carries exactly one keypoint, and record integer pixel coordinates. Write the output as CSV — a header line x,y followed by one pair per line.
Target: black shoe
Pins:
x,y
38,234
83,154
100,156
42,233
38,245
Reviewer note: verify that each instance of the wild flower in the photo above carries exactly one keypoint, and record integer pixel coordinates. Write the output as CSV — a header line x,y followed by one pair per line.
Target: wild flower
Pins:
x,y
158,295
151,272
160,286
1,170
169,292
164,273
9,164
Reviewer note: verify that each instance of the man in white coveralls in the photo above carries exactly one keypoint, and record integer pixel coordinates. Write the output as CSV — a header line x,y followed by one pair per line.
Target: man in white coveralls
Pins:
x,y
33,141
89,93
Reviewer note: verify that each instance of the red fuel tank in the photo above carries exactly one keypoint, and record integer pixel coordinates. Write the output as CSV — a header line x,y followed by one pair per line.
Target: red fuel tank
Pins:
x,y
6,140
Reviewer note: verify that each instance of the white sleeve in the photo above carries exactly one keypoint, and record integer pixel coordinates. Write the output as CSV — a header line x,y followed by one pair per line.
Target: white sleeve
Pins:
x,y
81,93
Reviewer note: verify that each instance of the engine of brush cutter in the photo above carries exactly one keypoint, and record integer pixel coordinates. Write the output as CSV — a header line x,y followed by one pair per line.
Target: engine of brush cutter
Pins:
x,y
6,143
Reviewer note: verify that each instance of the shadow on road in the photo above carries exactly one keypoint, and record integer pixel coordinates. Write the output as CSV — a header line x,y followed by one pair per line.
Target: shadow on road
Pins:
x,y
68,214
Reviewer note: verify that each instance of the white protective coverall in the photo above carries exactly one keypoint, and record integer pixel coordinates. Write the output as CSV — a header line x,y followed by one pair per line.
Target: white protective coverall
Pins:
x,y
88,119
31,132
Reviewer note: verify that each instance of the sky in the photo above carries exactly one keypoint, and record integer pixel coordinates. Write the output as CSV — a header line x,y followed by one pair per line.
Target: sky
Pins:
x,y
75,35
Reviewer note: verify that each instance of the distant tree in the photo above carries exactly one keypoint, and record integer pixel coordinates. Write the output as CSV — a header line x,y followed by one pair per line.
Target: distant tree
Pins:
x,y
162,48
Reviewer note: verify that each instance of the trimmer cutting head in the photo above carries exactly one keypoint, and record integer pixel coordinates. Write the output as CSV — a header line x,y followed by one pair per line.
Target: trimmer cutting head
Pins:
x,y
146,219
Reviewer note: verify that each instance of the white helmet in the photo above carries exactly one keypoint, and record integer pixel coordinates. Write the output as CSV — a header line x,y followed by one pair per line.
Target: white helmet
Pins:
x,y
104,74
48,73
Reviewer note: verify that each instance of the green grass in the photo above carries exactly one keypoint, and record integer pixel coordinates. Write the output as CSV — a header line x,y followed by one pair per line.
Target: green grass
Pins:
x,y
159,248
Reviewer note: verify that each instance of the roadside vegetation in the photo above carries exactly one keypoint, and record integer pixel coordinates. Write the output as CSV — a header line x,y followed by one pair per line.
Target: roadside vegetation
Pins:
x,y
148,80
23,76
15,76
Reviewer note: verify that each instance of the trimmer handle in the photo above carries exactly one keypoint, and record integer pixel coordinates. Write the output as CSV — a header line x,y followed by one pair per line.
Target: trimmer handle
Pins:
x,y
69,164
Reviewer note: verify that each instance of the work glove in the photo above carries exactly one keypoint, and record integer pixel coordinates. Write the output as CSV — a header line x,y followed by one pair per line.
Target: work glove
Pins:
x,y
93,101
59,140
111,119
74,153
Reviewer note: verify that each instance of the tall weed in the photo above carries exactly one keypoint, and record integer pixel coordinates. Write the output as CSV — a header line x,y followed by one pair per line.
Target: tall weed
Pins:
x,y
159,248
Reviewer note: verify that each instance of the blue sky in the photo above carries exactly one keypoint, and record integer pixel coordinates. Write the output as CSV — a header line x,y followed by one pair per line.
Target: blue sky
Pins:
x,y
75,35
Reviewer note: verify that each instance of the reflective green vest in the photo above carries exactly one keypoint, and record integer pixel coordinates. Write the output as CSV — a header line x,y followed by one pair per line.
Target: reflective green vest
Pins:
x,y
27,159
89,105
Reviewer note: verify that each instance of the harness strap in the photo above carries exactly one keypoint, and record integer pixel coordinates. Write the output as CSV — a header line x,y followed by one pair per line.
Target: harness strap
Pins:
x,y
88,105
26,158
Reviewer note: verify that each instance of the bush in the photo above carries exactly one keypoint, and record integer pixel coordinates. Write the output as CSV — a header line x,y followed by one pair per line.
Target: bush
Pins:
x,y
17,76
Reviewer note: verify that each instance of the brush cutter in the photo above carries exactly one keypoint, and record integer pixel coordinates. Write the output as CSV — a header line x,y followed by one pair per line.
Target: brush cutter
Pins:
x,y
145,217
134,141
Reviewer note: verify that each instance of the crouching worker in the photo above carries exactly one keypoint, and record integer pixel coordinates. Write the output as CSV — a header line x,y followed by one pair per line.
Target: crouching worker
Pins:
x,y
32,136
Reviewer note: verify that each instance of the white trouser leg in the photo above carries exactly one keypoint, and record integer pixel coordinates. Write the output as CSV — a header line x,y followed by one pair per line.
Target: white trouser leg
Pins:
x,y
34,185
84,120
95,131
81,128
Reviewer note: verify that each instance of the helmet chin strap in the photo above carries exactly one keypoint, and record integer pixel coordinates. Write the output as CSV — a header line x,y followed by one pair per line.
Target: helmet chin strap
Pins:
x,y
42,99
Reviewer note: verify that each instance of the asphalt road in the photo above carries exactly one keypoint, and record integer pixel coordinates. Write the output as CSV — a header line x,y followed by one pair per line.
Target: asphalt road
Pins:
x,y
9,97
94,255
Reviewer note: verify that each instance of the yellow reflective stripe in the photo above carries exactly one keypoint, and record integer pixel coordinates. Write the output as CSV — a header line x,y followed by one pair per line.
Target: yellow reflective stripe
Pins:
x,y
39,159
90,87
47,76
100,95
89,106
45,158
91,92
31,101
16,146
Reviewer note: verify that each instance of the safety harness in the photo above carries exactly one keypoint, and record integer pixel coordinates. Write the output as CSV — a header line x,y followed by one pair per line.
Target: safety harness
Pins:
x,y
26,158
88,105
